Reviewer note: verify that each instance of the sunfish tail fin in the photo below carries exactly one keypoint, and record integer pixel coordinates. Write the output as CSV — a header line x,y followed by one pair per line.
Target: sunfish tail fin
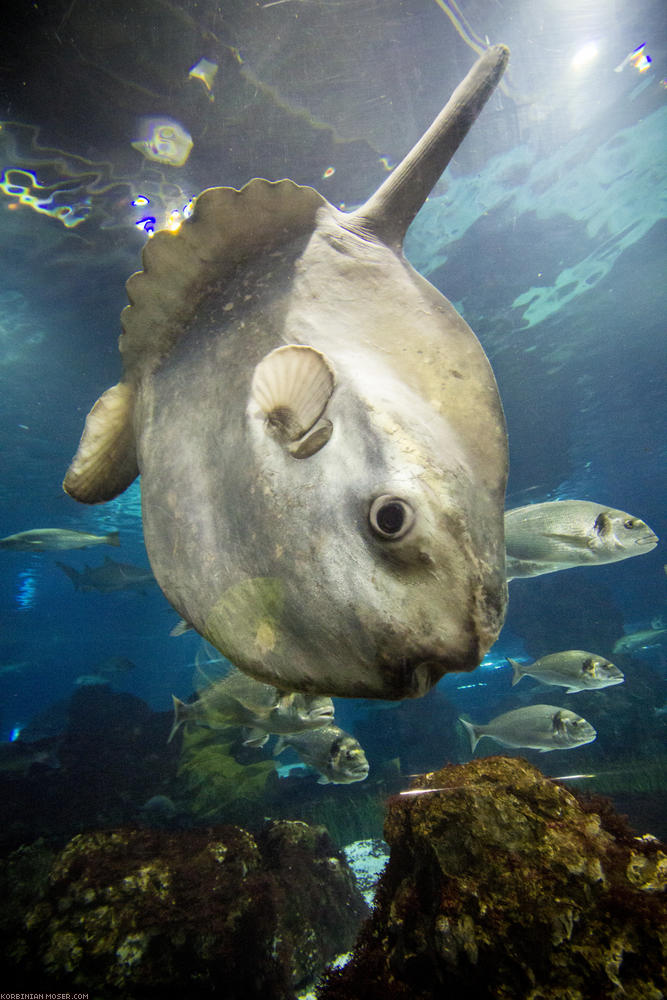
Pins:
x,y
471,730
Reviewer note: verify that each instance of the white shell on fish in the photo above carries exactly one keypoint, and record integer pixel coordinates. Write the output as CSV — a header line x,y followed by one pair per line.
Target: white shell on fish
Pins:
x,y
292,386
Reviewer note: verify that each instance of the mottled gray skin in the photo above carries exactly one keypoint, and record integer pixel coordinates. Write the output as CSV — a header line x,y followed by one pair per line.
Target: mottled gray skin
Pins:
x,y
574,669
559,534
537,727
273,558
337,756
223,502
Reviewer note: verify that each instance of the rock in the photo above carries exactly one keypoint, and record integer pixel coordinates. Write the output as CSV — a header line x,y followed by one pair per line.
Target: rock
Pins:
x,y
502,884
137,914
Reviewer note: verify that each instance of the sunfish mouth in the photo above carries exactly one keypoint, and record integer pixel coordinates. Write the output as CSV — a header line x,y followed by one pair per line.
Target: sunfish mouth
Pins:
x,y
648,539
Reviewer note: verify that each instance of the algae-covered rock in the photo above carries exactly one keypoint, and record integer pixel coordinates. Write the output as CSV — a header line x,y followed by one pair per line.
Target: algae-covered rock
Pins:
x,y
502,884
137,914
214,784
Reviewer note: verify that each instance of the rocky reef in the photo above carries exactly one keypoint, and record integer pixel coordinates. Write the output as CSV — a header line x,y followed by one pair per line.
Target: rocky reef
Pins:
x,y
503,884
139,914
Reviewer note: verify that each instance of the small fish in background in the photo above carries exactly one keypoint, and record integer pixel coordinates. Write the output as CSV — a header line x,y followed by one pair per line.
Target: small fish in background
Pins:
x,y
560,534
239,700
159,810
114,665
109,577
55,540
164,141
7,669
573,669
18,758
91,680
644,639
537,727
337,756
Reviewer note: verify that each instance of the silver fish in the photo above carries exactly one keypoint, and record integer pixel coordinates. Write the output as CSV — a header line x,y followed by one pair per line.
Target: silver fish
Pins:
x,y
537,727
109,577
239,700
320,438
338,757
545,537
55,540
573,669
640,640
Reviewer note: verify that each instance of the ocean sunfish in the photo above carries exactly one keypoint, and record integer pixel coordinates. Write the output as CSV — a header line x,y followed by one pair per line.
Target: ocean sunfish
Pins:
x,y
559,534
320,438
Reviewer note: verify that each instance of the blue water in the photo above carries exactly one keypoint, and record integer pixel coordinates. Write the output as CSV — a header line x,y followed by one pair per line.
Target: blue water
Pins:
x,y
547,232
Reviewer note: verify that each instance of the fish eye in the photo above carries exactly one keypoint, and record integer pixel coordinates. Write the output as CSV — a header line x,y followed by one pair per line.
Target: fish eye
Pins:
x,y
631,523
390,517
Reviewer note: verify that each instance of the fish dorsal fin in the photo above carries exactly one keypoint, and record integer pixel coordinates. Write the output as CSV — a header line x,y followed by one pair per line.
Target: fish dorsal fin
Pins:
x,y
291,387
226,228
388,213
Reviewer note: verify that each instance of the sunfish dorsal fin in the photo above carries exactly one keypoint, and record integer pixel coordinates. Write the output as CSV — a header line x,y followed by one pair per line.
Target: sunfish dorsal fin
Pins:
x,y
388,213
226,228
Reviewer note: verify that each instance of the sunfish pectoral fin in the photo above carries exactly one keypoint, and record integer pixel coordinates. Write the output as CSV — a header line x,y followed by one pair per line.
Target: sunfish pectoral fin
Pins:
x,y
106,461
291,387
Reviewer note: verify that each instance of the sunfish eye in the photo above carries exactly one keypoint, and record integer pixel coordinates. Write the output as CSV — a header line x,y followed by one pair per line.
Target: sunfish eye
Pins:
x,y
631,523
390,517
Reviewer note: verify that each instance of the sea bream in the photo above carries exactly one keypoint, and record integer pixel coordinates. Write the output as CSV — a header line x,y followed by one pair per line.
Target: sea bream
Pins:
x,y
320,438
536,727
574,669
338,757
238,700
559,534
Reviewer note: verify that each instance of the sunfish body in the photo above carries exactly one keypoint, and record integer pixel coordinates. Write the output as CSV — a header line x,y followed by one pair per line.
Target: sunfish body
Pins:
x,y
537,727
573,669
559,534
319,434
109,577
55,540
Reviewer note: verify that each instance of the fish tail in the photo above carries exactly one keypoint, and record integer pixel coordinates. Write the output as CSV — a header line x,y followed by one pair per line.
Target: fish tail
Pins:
x,y
517,672
181,715
71,573
281,743
472,733
113,538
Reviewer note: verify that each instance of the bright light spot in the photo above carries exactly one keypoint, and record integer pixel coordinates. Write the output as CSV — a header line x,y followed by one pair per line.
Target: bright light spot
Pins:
x,y
585,56
15,733
141,200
